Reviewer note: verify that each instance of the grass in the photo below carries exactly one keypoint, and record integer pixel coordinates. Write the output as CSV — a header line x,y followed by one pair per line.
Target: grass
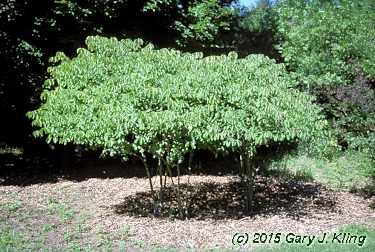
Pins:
x,y
64,224
81,225
124,232
47,227
64,211
10,238
17,238
365,241
344,171
70,225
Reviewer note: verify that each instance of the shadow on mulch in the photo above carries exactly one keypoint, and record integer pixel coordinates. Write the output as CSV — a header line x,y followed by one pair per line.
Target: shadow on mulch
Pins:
x,y
39,169
225,201
44,166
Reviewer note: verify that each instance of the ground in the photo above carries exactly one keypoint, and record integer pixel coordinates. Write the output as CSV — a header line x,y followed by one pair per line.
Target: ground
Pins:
x,y
107,206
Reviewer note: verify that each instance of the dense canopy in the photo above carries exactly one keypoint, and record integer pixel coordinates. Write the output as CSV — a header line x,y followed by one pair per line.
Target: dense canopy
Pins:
x,y
116,89
132,99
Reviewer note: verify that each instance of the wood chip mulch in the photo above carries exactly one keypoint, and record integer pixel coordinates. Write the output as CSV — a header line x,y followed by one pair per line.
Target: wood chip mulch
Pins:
x,y
215,210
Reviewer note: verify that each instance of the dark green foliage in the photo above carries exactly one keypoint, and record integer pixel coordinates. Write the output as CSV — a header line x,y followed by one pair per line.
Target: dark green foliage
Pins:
x,y
32,31
256,29
352,110
206,25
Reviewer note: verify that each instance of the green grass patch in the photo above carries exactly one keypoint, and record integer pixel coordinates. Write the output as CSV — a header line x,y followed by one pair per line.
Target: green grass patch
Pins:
x,y
14,206
10,238
124,232
47,227
64,211
343,171
349,238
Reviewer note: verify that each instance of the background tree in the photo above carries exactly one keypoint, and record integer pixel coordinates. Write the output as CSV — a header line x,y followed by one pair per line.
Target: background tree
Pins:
x,y
205,25
256,29
31,32
329,47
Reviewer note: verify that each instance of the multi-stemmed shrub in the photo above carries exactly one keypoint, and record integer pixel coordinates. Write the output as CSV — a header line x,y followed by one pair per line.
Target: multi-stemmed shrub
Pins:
x,y
132,100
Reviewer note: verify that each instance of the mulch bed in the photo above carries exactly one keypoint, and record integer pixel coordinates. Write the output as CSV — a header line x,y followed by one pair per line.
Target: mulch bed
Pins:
x,y
115,195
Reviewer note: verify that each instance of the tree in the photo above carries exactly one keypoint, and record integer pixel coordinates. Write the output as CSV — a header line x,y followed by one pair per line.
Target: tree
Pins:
x,y
130,99
328,45
33,31
256,29
207,25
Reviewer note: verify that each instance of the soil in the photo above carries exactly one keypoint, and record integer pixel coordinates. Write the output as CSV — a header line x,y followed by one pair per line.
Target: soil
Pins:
x,y
114,195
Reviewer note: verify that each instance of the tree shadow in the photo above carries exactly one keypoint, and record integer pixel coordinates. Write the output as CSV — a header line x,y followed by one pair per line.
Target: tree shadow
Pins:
x,y
43,165
301,175
225,201
40,169
366,192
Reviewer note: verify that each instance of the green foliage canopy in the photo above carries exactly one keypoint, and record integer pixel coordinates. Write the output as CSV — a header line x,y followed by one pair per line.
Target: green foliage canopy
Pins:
x,y
131,99
329,46
33,31
207,24
318,39
256,32
128,98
